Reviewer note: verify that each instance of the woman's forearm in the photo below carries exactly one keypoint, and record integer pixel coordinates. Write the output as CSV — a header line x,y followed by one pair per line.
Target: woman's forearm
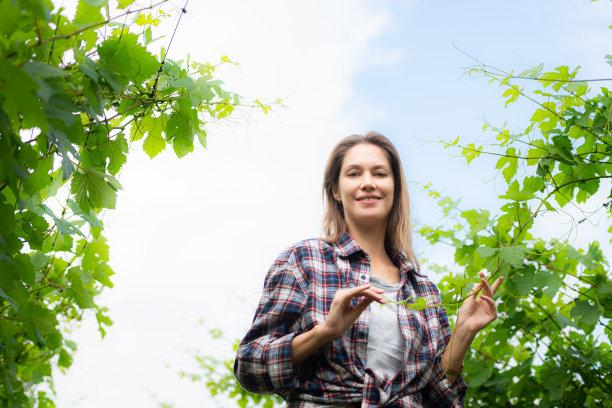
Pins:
x,y
305,344
452,358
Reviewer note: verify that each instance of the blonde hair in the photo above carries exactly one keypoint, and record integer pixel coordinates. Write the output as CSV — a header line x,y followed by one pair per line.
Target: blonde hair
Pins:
x,y
399,231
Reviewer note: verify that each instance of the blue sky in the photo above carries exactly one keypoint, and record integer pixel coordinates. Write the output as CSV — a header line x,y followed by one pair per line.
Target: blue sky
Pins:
x,y
193,238
425,96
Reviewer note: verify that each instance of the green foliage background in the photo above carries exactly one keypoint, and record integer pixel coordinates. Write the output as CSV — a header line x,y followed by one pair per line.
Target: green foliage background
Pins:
x,y
74,94
550,346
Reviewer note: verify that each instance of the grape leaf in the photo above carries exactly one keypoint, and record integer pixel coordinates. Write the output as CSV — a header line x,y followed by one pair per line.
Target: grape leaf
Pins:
x,y
92,191
513,255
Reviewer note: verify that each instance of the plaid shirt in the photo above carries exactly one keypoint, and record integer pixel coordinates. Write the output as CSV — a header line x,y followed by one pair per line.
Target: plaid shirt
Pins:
x,y
297,295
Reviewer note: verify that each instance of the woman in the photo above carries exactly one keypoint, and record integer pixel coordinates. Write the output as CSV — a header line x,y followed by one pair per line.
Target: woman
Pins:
x,y
317,339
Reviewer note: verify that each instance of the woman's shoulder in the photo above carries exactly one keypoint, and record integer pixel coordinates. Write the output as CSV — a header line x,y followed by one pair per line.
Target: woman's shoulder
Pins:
x,y
311,248
298,262
423,285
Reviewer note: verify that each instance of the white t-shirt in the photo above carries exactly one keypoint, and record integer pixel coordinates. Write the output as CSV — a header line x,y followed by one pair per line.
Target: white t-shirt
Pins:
x,y
385,342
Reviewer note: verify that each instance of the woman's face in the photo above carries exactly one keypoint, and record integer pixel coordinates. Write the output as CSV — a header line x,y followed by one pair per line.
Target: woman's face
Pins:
x,y
365,186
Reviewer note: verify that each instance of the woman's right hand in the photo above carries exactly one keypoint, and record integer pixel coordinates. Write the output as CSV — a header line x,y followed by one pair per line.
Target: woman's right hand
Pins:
x,y
340,317
342,314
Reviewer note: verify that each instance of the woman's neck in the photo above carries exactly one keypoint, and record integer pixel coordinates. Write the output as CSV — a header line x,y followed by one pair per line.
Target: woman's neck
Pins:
x,y
371,240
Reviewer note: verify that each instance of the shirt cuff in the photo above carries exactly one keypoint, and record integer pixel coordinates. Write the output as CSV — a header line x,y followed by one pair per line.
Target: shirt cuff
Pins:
x,y
453,393
280,367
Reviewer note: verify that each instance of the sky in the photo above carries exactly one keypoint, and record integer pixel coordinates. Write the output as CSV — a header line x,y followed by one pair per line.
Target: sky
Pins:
x,y
191,239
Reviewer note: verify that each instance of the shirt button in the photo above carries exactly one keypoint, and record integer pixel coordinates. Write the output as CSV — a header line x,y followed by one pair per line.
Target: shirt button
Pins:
x,y
362,277
361,335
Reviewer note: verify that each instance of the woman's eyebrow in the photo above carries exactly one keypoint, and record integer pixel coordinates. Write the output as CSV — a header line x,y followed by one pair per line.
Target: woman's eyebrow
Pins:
x,y
358,166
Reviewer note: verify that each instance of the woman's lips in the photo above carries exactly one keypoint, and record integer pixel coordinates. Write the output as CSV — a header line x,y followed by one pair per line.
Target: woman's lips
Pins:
x,y
368,198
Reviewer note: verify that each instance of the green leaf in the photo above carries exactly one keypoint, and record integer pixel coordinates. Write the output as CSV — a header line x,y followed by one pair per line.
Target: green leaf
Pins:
x,y
514,194
41,177
184,83
476,378
555,383
124,3
587,261
204,89
95,252
520,283
123,59
545,118
9,299
538,151
19,92
102,273
90,218
513,255
42,70
471,152
532,185
40,324
478,219
510,161
116,151
486,252
63,225
103,320
181,132
202,137
39,260
11,285
548,282
585,314
80,287
154,142
512,93
23,266
87,14
92,191
65,359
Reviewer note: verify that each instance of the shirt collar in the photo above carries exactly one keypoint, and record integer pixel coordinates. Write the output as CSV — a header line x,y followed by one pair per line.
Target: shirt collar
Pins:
x,y
347,246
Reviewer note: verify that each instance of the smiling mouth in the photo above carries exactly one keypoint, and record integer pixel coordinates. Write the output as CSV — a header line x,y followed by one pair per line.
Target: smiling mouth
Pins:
x,y
368,199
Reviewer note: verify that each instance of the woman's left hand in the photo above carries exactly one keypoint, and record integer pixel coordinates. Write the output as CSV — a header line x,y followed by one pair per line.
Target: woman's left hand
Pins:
x,y
478,311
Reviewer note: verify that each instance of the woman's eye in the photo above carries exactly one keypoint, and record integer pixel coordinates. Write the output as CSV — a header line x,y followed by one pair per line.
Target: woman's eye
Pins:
x,y
380,174
352,174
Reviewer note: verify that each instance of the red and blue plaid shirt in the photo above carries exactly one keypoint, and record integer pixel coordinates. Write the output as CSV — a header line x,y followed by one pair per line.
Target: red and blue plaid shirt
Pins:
x,y
297,295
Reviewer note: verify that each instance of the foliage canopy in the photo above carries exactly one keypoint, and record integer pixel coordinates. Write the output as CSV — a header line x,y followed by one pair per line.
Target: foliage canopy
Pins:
x,y
550,345
74,94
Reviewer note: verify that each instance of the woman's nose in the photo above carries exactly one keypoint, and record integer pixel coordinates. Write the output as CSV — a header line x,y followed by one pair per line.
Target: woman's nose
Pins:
x,y
368,182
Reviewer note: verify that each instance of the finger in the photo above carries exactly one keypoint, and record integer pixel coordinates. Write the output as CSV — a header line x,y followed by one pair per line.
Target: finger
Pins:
x,y
491,303
345,296
362,305
367,290
475,289
486,287
373,294
352,292
497,284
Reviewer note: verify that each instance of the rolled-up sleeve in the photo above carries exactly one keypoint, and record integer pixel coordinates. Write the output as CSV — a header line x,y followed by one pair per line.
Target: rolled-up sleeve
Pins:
x,y
263,359
440,391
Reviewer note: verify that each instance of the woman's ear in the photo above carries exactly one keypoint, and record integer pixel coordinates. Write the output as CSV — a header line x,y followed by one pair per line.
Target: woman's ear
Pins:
x,y
336,194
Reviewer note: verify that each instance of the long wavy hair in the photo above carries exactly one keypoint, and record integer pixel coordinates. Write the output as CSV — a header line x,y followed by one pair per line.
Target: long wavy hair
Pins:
x,y
399,231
